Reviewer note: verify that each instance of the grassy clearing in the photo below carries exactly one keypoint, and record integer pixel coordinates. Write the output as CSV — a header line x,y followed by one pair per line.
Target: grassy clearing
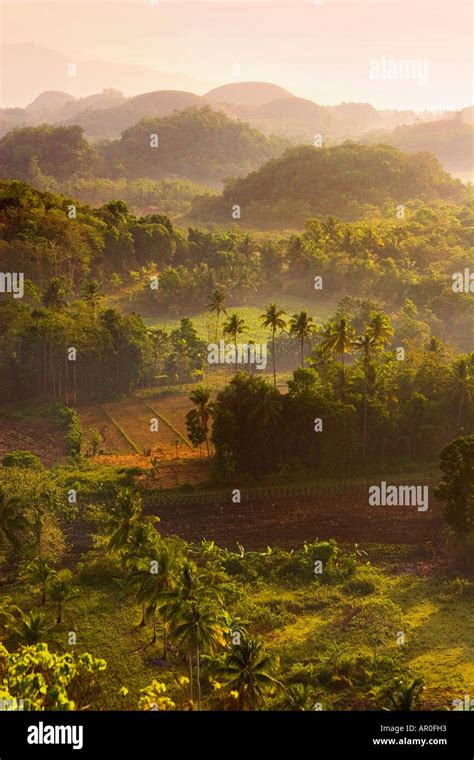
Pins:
x,y
205,323
305,626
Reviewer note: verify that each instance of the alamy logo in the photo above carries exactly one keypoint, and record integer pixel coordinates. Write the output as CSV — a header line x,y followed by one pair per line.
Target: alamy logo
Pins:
x,y
44,734
463,282
463,704
399,496
242,353
12,282
396,69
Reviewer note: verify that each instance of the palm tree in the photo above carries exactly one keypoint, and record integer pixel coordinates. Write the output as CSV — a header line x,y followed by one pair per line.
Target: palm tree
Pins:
x,y
12,520
338,339
435,346
302,327
123,516
60,590
217,305
198,628
91,294
234,326
248,669
200,397
461,388
404,696
33,627
273,318
7,614
39,572
380,328
267,406
155,582
366,344
54,294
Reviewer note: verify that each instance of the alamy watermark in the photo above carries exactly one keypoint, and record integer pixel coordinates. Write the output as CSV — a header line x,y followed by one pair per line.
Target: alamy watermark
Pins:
x,y
399,496
393,69
12,282
240,353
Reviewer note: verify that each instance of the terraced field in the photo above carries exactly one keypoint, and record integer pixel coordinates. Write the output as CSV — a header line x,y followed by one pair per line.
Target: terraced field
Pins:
x,y
126,427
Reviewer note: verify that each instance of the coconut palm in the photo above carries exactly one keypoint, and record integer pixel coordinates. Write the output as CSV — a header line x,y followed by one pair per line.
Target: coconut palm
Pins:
x,y
248,670
123,516
217,306
338,339
234,327
60,590
302,326
12,520
156,579
200,397
273,318
380,328
39,572
267,406
32,627
367,344
461,386
435,346
199,629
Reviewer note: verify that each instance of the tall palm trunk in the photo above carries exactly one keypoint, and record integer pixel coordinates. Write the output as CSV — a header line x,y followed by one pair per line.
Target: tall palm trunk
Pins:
x,y
343,361
59,618
364,446
302,351
153,641
143,620
165,639
190,664
273,357
198,675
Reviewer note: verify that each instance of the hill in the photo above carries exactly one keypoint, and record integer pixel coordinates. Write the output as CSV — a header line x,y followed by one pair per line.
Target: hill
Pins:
x,y
201,145
111,122
348,180
246,93
34,154
451,141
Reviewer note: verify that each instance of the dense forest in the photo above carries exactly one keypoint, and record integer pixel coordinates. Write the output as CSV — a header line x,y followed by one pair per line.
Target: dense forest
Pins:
x,y
199,145
350,180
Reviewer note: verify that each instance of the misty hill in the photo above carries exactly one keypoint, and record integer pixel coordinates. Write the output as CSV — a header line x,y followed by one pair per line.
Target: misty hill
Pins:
x,y
347,180
202,145
111,122
246,93
50,103
451,141
28,68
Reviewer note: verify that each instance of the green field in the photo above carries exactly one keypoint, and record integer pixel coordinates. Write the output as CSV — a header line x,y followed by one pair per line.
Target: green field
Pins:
x,y
205,323
306,626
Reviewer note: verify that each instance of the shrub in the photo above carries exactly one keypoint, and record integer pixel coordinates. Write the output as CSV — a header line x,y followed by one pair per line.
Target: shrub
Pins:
x,y
22,459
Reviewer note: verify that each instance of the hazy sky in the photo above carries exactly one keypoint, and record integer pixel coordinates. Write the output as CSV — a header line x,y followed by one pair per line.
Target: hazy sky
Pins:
x,y
319,51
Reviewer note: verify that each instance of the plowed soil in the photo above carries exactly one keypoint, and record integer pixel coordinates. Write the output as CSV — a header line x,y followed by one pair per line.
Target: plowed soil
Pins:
x,y
288,521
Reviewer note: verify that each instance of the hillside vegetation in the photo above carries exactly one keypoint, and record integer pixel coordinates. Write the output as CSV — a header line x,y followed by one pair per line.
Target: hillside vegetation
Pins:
x,y
348,180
